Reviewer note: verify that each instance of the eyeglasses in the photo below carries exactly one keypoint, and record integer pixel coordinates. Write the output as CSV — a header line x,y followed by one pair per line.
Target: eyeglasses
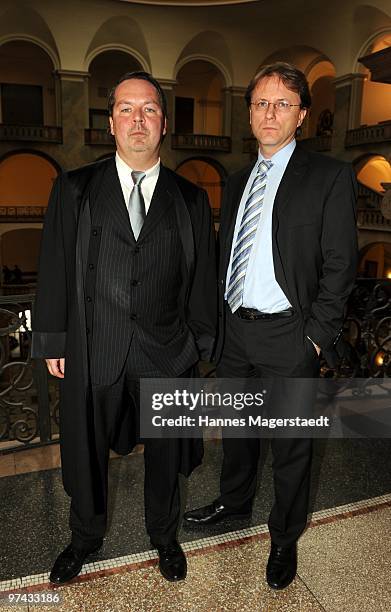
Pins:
x,y
282,106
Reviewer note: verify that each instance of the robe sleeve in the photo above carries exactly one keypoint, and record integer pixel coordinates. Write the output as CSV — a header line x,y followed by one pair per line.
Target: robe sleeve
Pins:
x,y
50,307
202,303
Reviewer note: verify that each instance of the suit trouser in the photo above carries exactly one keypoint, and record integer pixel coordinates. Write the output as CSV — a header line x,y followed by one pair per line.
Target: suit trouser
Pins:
x,y
269,348
114,407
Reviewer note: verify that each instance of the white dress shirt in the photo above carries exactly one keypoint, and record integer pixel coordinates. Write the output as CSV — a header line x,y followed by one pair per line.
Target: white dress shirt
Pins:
x,y
148,183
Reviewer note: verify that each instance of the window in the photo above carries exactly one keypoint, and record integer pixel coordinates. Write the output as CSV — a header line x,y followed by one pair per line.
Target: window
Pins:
x,y
184,115
99,119
21,104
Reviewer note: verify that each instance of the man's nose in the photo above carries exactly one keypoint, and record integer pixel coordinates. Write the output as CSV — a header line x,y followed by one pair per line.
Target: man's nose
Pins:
x,y
271,111
138,115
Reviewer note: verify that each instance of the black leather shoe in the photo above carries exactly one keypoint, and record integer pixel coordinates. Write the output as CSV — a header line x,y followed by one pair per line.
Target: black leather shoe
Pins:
x,y
69,563
172,562
215,512
281,566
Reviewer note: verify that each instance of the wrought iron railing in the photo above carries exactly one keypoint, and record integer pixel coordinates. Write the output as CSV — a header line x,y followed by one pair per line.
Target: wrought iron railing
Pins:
x,y
29,402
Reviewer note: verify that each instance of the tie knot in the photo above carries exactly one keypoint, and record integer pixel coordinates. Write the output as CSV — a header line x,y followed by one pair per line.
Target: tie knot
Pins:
x,y
264,166
137,177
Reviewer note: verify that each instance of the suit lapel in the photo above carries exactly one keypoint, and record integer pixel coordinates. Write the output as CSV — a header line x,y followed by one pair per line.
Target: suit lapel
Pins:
x,y
290,184
162,200
112,198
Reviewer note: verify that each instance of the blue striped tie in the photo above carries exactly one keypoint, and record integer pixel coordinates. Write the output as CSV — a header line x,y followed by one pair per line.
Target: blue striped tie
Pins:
x,y
245,237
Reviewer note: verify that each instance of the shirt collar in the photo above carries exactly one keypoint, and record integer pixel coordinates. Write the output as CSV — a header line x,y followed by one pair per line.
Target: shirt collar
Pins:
x,y
282,156
124,171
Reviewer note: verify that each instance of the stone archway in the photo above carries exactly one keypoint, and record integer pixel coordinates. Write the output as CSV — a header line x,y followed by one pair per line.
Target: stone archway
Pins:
x,y
208,174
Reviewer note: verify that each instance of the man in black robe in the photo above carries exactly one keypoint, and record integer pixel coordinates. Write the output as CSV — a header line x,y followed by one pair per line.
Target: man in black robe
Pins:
x,y
126,290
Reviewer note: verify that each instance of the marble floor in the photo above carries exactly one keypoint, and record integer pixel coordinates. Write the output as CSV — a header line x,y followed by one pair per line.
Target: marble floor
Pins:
x,y
344,555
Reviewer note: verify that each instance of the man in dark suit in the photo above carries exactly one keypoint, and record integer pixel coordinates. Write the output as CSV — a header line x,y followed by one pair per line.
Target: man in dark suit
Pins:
x,y
125,291
287,266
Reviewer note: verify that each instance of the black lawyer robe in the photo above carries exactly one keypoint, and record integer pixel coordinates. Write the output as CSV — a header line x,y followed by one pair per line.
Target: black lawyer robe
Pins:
x,y
59,323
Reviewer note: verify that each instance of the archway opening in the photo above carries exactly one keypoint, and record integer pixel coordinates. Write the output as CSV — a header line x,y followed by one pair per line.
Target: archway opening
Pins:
x,y
26,74
321,81
376,97
373,171
375,261
19,255
205,175
199,99
38,176
105,70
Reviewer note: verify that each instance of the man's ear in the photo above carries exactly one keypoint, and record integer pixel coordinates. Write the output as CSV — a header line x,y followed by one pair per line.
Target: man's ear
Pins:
x,y
164,132
302,114
111,126
250,114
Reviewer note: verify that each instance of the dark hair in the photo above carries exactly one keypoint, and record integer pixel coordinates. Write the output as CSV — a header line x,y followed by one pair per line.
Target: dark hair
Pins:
x,y
143,76
293,79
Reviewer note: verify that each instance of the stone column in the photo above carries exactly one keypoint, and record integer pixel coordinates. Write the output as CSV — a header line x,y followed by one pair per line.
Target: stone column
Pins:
x,y
356,99
227,111
347,115
74,116
239,128
168,155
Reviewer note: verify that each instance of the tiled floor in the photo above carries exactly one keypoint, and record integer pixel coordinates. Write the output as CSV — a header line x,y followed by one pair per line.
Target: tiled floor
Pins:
x,y
344,557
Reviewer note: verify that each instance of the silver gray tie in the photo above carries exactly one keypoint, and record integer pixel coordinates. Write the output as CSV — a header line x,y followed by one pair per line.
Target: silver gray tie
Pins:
x,y
136,206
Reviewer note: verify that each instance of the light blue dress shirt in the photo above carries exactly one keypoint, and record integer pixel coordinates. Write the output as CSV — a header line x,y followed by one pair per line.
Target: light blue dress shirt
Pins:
x,y
261,290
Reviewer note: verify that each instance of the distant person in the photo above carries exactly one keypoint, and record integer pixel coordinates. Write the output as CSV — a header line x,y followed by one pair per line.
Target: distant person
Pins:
x,y
7,275
17,274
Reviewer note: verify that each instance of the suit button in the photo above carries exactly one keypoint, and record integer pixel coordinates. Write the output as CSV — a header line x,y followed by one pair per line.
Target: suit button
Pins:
x,y
135,283
91,266
94,232
89,299
136,251
87,330
133,316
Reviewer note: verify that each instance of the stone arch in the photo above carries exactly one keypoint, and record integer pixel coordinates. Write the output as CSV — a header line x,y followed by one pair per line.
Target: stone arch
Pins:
x,y
39,171
27,70
376,97
114,35
320,73
211,47
302,56
200,99
25,23
207,173
372,169
375,260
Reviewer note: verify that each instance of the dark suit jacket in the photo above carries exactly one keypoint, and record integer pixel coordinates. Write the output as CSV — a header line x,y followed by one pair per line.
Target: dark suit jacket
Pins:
x,y
62,307
314,240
